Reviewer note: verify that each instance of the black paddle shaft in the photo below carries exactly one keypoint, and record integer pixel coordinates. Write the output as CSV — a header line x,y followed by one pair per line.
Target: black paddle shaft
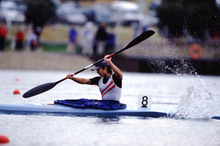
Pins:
x,y
45,87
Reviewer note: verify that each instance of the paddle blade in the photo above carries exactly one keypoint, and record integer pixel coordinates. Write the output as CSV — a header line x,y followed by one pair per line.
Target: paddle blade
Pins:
x,y
140,38
39,89
136,41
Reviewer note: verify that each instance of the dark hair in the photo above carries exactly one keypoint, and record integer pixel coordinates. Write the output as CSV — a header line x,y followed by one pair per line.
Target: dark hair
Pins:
x,y
109,70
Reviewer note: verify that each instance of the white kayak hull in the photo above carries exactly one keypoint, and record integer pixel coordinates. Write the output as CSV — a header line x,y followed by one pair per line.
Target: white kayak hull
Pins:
x,y
60,109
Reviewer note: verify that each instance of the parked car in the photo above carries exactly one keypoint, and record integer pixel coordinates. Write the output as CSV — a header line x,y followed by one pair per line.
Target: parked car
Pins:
x,y
69,12
12,12
150,20
126,12
99,13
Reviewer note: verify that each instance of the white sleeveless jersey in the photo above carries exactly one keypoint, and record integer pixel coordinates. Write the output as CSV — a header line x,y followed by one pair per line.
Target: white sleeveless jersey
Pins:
x,y
109,90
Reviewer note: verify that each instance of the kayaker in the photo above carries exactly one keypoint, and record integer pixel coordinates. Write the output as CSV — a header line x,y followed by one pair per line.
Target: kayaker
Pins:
x,y
109,80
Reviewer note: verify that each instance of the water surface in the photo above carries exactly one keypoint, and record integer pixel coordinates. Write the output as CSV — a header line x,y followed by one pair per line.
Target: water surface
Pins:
x,y
196,98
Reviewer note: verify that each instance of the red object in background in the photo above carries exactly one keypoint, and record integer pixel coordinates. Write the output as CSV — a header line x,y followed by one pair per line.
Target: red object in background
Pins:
x,y
20,36
17,79
3,31
16,91
4,139
195,51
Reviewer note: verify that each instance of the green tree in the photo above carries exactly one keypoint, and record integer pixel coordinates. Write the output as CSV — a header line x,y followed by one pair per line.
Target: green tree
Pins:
x,y
198,17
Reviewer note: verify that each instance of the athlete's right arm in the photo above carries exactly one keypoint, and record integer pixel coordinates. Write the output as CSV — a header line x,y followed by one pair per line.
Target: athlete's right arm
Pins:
x,y
79,80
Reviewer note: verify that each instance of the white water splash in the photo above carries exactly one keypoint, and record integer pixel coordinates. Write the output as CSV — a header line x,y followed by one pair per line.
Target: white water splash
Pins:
x,y
198,103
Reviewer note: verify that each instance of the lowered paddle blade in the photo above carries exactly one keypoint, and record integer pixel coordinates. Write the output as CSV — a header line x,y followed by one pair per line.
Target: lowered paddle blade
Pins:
x,y
39,89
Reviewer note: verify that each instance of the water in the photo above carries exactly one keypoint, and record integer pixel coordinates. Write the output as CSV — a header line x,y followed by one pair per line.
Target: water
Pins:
x,y
195,97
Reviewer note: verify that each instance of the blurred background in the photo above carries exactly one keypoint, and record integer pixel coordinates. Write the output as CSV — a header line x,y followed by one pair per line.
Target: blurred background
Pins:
x,y
187,32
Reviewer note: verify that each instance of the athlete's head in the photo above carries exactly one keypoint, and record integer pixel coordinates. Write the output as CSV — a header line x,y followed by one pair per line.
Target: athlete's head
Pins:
x,y
103,66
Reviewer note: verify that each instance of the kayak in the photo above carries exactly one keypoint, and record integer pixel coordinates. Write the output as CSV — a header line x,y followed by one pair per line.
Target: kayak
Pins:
x,y
60,109
154,112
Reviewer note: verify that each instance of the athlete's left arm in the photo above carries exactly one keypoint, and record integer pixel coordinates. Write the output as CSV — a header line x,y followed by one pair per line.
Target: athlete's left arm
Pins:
x,y
116,70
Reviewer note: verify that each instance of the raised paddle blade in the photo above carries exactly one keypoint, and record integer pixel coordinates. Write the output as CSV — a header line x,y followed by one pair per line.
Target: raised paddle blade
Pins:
x,y
39,89
136,41
140,38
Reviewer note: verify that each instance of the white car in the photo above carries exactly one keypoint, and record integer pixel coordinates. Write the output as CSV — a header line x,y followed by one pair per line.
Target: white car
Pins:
x,y
70,13
10,12
126,12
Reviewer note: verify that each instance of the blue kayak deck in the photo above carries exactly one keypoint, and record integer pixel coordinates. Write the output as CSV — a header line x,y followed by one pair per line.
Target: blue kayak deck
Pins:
x,y
60,109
